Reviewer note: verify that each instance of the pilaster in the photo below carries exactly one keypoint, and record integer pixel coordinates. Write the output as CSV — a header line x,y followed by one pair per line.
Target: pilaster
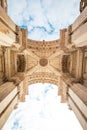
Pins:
x,y
79,64
7,63
59,86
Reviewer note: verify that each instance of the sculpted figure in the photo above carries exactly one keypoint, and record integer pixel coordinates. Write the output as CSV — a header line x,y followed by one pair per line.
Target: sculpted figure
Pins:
x,y
3,3
83,4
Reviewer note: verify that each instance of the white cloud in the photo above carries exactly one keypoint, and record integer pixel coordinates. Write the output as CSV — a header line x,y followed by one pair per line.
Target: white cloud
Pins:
x,y
43,18
42,111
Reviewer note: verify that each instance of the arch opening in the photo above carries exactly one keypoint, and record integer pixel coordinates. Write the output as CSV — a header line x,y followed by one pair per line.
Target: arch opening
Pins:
x,y
42,88
42,110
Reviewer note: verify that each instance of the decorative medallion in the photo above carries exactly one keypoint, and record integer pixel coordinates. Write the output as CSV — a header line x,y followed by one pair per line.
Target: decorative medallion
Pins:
x,y
43,62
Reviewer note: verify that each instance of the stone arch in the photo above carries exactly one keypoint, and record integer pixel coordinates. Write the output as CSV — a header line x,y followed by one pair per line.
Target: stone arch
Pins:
x,y
43,81
42,78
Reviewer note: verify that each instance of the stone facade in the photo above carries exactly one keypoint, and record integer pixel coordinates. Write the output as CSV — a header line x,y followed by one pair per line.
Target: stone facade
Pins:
x,y
62,62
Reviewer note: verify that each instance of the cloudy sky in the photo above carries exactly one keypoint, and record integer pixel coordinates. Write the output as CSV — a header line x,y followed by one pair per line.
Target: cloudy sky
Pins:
x,y
43,18
42,111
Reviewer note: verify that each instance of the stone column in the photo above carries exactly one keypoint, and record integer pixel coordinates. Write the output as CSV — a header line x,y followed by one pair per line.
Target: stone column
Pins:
x,y
84,60
23,89
7,63
25,85
73,63
15,62
64,95
71,59
79,64
59,87
2,67
20,91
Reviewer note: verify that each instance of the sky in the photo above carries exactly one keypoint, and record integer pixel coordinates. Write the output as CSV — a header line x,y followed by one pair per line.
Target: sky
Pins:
x,y
42,110
43,18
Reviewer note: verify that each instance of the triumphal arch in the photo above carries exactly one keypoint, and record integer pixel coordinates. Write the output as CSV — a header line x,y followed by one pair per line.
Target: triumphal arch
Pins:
x,y
62,62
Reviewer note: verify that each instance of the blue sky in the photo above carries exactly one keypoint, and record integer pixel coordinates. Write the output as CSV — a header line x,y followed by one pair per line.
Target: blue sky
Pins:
x,y
42,110
43,18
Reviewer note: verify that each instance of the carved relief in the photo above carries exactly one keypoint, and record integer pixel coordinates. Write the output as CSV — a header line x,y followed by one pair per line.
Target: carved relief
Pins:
x,y
42,77
3,3
83,4
43,48
21,63
65,63
43,62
